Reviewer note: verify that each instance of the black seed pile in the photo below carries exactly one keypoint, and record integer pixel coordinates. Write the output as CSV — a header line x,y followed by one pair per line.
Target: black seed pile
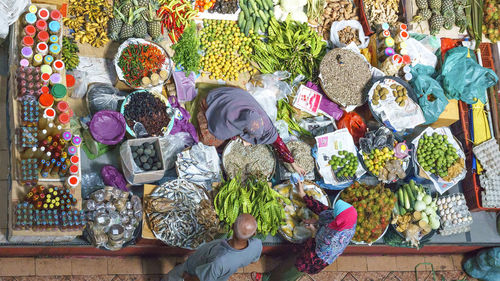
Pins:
x,y
146,157
149,110
224,7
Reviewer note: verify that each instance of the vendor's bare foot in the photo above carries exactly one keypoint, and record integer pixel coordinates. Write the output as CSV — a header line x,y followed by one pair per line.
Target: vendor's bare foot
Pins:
x,y
256,276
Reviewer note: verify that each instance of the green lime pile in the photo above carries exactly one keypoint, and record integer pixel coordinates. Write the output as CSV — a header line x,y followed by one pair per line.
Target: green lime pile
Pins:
x,y
435,154
344,165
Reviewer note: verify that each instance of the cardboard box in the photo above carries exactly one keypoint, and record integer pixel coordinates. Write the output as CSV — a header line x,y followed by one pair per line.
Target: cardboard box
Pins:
x,y
449,116
128,162
146,231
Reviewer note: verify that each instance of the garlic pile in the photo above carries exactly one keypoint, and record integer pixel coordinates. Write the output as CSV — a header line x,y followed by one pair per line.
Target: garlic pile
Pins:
x,y
455,216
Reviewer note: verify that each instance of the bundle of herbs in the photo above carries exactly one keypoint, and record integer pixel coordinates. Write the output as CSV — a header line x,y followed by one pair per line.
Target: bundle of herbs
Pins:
x,y
186,50
141,60
290,46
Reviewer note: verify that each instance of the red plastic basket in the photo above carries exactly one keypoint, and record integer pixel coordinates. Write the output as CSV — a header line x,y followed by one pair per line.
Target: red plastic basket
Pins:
x,y
487,55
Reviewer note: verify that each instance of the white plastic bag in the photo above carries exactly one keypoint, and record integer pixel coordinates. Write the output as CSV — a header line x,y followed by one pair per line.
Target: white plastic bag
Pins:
x,y
81,84
339,25
172,145
420,54
10,11
267,89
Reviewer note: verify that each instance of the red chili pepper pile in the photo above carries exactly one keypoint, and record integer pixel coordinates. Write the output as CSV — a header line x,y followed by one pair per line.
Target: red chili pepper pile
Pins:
x,y
174,17
140,60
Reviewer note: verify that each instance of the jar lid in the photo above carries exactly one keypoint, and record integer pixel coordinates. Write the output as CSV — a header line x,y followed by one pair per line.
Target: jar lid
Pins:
x,y
385,26
73,169
58,91
46,68
55,15
389,42
28,41
72,150
74,159
54,26
46,100
30,18
43,36
49,112
42,46
55,48
46,78
55,78
404,34
70,80
76,140
54,38
38,58
59,64
62,106
30,29
48,59
403,26
67,137
41,24
33,9
43,13
406,59
73,180
63,118
45,89
24,62
27,51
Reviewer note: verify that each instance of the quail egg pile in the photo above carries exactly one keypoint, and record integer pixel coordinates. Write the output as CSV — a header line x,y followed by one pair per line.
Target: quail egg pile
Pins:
x,y
455,216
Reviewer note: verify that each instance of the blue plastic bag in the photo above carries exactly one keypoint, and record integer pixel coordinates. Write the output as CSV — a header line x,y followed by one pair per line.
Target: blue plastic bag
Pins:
x,y
463,78
485,265
429,93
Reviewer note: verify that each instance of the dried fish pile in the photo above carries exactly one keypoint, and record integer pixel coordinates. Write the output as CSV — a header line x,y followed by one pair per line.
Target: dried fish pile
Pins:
x,y
344,75
301,152
181,215
257,160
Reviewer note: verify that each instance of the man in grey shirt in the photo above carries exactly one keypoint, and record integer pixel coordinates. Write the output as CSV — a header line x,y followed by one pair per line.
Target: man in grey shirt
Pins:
x,y
219,259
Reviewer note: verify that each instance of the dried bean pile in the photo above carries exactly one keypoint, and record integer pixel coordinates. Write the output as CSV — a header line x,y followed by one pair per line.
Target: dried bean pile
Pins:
x,y
149,110
336,10
344,75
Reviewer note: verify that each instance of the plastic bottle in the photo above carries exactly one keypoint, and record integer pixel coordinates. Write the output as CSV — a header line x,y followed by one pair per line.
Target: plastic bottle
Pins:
x,y
42,135
29,153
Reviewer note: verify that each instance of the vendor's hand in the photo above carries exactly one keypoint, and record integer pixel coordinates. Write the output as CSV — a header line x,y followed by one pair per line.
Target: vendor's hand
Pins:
x,y
300,189
245,143
188,277
311,227
298,169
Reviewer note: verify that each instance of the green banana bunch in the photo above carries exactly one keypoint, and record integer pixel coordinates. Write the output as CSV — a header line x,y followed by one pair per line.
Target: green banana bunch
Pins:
x,y
69,53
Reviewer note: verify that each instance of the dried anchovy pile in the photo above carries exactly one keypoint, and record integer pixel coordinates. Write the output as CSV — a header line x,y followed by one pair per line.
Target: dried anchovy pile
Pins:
x,y
344,75
301,152
257,160
181,215
149,110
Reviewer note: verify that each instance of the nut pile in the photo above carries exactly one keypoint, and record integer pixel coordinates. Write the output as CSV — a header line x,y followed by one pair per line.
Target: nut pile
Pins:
x,y
380,11
336,10
149,110
146,157
398,91
344,75
348,35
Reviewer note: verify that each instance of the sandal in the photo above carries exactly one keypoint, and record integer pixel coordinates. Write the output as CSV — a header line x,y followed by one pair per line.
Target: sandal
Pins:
x,y
256,276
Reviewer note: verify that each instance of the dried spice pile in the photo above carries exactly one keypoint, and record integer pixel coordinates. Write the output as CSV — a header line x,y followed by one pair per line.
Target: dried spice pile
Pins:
x,y
149,110
140,60
344,75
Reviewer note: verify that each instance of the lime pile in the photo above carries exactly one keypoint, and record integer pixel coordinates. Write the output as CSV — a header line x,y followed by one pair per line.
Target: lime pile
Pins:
x,y
435,154
344,165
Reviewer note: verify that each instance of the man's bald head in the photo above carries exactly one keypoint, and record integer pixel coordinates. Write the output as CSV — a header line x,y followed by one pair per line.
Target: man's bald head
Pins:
x,y
244,227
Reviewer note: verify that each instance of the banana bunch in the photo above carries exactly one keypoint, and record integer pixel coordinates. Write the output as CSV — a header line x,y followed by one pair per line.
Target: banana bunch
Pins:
x,y
256,198
89,20
69,53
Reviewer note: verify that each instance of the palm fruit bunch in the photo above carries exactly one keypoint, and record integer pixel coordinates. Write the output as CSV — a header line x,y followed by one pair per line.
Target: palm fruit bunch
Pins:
x,y
135,18
491,22
69,53
88,20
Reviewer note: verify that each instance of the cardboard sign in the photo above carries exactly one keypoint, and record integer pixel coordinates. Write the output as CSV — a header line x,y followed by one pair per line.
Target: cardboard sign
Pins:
x,y
307,100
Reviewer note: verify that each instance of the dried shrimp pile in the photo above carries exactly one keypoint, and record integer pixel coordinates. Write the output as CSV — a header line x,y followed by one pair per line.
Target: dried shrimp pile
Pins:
x,y
181,215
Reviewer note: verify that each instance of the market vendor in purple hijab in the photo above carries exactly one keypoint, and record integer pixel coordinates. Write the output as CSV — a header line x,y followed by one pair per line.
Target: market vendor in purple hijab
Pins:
x,y
227,113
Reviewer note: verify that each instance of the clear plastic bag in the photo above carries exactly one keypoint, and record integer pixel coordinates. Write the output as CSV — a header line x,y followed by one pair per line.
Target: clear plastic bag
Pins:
x,y
101,96
171,145
267,89
81,84
339,25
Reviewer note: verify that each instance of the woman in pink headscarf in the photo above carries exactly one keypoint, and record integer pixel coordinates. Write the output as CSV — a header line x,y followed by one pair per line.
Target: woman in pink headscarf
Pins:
x,y
336,227
229,112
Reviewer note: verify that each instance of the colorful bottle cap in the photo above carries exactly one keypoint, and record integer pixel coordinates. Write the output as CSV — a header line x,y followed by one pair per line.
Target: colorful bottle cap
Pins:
x,y
55,78
30,18
43,13
67,137
408,76
74,160
46,100
33,9
73,169
37,59
48,59
55,15
45,79
76,141
55,48
46,69
403,26
406,69
403,45
385,26
50,113
58,65
43,36
72,150
406,59
398,59
54,26
389,42
58,91
70,80
62,106
41,25
63,118
73,181
386,33
30,30
24,62
28,41
54,39
389,51
42,48
404,34
27,52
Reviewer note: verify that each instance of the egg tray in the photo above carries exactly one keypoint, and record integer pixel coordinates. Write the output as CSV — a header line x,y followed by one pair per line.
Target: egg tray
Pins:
x,y
461,207
488,154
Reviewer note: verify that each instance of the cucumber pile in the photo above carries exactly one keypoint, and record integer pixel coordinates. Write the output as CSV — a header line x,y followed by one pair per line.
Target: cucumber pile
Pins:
x,y
407,196
255,15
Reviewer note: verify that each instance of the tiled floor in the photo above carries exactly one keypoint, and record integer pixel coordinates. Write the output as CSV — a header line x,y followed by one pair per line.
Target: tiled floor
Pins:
x,y
346,268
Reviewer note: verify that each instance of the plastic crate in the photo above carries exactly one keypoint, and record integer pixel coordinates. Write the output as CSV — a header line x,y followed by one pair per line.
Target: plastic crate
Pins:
x,y
487,56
